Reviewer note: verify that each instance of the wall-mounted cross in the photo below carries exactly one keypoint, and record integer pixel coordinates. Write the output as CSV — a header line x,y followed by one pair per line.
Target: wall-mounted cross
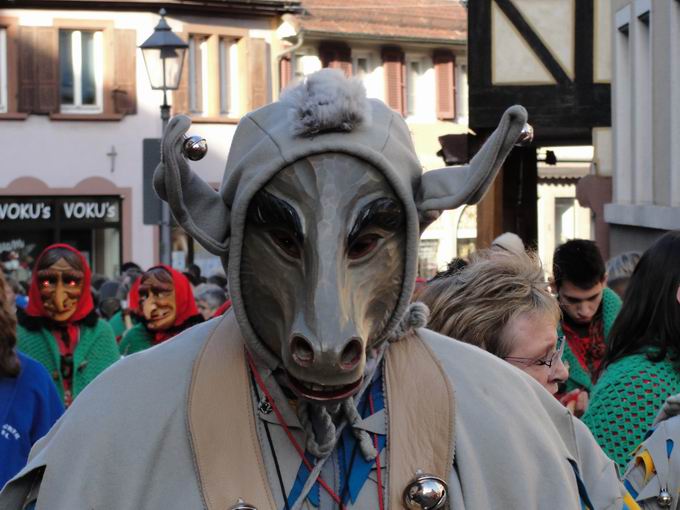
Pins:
x,y
112,155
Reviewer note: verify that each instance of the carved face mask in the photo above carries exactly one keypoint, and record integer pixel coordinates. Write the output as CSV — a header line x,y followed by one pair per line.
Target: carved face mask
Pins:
x,y
61,287
322,269
159,306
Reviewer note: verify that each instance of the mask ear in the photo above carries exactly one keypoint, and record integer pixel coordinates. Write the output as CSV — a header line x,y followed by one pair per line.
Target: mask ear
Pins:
x,y
450,187
197,207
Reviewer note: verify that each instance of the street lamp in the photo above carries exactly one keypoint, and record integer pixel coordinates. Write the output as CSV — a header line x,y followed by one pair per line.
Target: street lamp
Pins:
x,y
163,54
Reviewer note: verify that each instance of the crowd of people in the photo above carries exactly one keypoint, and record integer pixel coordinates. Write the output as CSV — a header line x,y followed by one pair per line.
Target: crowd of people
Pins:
x,y
612,363
64,327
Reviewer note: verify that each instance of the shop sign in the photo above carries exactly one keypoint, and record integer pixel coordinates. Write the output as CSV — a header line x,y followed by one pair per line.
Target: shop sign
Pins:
x,y
69,209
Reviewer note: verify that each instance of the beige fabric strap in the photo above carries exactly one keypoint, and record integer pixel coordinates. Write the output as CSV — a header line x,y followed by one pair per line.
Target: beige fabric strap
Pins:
x,y
420,407
222,421
222,424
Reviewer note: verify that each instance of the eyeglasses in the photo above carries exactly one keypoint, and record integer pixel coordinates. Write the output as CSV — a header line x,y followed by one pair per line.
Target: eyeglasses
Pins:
x,y
550,361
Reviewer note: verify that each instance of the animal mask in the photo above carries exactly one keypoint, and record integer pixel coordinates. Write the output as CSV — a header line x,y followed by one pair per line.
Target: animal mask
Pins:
x,y
318,221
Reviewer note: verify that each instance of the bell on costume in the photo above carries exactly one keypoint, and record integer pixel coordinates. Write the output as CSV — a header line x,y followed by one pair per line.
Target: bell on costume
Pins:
x,y
425,492
664,499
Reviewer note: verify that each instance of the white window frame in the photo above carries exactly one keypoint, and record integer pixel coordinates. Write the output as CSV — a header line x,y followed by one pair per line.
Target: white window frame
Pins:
x,y
194,108
373,80
77,63
421,94
305,62
229,87
3,70
462,93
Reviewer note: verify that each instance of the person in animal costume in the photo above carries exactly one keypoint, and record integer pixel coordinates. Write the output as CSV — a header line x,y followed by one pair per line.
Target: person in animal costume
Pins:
x,y
60,327
168,308
320,388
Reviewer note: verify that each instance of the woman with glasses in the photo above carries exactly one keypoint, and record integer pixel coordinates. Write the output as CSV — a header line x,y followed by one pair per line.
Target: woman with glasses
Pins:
x,y
501,303
641,364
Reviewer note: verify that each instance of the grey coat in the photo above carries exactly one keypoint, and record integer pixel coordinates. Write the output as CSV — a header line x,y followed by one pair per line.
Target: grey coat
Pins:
x,y
125,442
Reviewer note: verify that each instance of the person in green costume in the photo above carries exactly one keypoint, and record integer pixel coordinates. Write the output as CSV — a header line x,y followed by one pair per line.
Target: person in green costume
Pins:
x,y
60,327
168,306
641,362
588,312
124,320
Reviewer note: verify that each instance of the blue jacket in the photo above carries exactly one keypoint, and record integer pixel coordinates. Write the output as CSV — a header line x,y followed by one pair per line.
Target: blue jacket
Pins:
x,y
29,406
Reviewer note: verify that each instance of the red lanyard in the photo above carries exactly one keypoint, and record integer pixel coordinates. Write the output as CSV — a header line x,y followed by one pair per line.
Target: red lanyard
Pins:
x,y
296,445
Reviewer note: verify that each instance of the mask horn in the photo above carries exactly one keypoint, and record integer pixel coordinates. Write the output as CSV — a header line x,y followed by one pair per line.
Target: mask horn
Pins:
x,y
450,187
197,207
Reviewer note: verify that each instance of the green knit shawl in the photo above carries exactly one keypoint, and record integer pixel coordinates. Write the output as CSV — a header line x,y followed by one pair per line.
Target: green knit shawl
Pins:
x,y
117,323
95,351
136,339
625,401
578,377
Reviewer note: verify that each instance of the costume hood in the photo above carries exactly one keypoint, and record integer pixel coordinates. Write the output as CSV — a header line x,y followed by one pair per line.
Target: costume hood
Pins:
x,y
325,113
35,306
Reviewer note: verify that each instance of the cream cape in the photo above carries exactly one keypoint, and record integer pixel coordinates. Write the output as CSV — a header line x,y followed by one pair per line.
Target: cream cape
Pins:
x,y
131,441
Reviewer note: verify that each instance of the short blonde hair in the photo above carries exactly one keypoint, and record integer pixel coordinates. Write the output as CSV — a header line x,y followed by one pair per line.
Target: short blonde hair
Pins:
x,y
477,303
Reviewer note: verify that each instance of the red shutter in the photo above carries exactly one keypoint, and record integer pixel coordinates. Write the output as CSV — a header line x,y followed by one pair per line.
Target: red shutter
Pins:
x,y
336,55
180,97
125,71
444,69
393,70
259,75
285,72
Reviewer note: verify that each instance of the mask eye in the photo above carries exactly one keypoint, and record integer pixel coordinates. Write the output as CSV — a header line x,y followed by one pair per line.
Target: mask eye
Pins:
x,y
286,242
362,246
45,283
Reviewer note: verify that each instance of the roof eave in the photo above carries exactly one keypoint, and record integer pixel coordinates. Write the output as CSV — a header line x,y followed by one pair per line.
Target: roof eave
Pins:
x,y
321,34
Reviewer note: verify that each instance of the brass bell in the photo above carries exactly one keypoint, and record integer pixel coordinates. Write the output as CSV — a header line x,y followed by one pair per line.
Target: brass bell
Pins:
x,y
425,492
242,505
195,147
664,499
526,136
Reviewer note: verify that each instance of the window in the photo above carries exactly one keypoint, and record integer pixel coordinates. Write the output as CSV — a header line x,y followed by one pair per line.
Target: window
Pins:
x,y
210,85
364,67
420,94
198,74
81,71
228,73
3,70
305,64
461,92
427,258
466,232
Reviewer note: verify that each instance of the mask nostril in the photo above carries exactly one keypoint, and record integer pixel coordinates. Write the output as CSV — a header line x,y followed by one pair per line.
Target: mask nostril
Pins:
x,y
351,354
302,351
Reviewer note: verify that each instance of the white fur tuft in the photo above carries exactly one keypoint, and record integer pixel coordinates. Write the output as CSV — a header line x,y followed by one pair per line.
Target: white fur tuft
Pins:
x,y
327,101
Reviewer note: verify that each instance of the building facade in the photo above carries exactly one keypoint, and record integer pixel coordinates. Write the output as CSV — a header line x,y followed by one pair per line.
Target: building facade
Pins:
x,y
646,122
76,108
412,57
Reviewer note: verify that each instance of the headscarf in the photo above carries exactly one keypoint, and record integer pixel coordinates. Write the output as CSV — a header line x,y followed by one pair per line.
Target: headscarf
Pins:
x,y
185,304
85,305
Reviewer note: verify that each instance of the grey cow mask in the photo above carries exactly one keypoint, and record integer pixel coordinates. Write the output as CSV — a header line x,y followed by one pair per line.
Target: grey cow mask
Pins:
x,y
287,221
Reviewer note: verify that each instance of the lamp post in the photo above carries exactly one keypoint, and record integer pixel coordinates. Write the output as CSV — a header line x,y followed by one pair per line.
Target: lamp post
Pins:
x,y
163,54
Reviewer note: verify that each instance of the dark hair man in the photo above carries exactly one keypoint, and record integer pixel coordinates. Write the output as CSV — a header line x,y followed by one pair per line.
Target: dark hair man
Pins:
x,y
588,309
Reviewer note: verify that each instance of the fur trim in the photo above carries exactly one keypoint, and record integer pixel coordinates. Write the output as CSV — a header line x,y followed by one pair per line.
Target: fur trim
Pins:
x,y
327,101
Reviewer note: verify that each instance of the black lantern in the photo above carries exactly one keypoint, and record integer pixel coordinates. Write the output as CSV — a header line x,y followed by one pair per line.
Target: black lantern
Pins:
x,y
163,54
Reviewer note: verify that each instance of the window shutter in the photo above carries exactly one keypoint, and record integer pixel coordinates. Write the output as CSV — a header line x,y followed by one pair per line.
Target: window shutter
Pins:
x,y
46,60
125,71
444,69
38,70
285,72
336,56
393,70
257,70
27,79
180,97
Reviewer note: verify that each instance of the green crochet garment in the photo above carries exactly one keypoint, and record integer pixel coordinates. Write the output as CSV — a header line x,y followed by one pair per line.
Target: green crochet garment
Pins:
x,y
117,323
625,401
578,377
137,338
96,350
